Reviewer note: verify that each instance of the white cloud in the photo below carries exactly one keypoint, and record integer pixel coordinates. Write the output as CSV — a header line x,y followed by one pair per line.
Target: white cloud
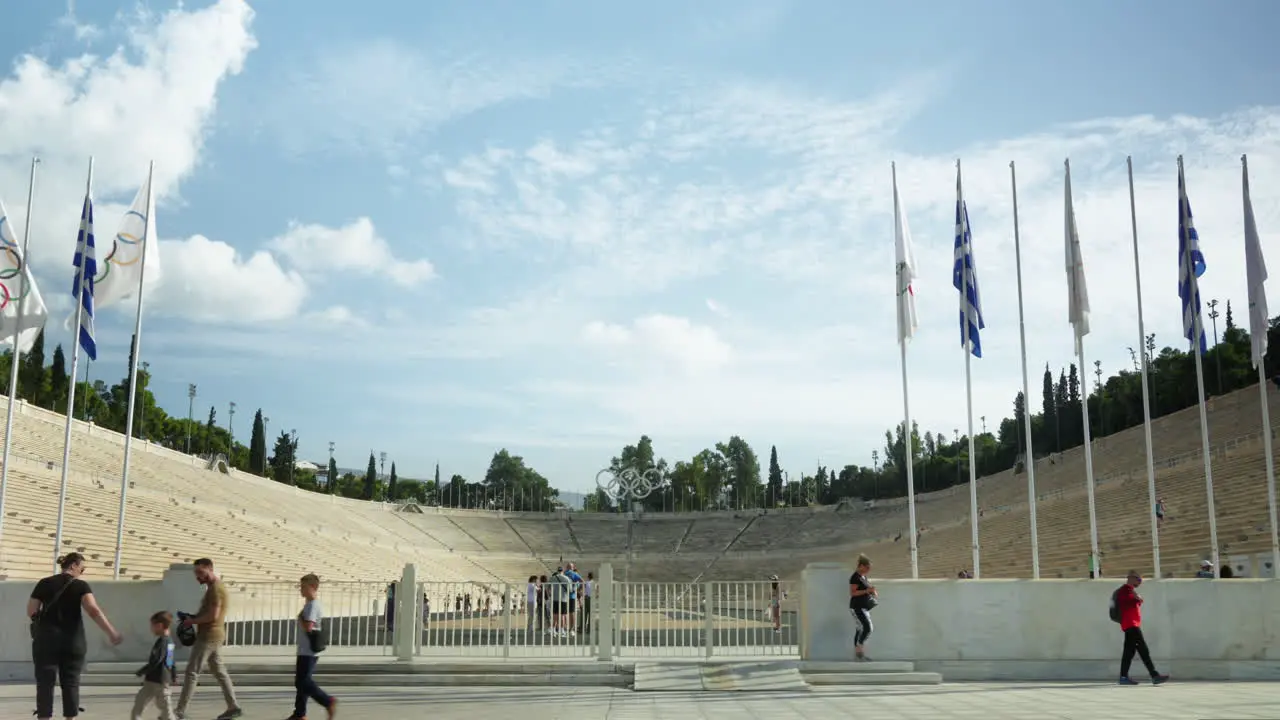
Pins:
x,y
153,98
355,247
208,280
326,102
673,341
778,205
83,32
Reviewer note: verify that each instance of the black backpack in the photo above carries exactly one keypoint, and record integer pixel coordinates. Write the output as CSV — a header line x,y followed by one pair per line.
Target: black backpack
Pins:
x,y
1114,610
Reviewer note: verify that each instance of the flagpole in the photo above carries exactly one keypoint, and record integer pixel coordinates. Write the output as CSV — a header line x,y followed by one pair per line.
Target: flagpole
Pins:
x,y
1030,458
71,393
1266,413
1095,560
908,442
968,391
1271,471
24,264
1198,331
133,376
1152,499
1079,327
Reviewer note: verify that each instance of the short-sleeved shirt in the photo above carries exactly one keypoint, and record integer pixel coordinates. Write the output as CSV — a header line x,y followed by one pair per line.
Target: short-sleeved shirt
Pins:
x,y
62,616
576,579
858,582
559,588
214,591
311,612
531,593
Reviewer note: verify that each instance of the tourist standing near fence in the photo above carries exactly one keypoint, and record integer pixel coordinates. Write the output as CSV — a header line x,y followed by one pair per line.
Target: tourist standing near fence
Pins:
x,y
58,645
210,635
531,603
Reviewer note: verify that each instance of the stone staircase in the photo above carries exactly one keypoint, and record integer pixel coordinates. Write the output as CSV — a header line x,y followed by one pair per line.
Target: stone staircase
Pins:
x,y
638,675
866,673
278,672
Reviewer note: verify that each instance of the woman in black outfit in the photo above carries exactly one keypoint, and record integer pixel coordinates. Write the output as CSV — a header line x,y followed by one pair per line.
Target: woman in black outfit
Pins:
x,y
862,598
57,644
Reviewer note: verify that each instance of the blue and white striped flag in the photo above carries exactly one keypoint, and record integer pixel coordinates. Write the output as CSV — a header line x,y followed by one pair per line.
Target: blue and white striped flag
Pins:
x,y
1190,266
964,277
86,264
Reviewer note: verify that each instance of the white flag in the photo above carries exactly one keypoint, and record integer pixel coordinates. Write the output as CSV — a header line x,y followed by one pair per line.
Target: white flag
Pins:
x,y
1256,266
16,281
906,264
1078,300
120,265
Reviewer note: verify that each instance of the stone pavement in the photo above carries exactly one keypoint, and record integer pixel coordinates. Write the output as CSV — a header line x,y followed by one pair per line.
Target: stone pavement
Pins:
x,y
1084,701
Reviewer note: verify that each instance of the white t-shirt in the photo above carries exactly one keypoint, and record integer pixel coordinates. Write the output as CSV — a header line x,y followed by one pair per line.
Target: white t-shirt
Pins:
x,y
311,612
531,594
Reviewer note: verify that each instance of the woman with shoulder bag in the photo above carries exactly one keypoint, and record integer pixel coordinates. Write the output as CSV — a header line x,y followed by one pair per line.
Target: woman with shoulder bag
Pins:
x,y
58,644
862,597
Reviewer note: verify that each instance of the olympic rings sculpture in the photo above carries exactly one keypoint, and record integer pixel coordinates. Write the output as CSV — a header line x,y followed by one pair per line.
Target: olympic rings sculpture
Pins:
x,y
629,483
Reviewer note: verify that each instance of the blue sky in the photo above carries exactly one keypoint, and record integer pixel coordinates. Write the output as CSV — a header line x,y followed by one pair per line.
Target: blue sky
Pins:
x,y
436,231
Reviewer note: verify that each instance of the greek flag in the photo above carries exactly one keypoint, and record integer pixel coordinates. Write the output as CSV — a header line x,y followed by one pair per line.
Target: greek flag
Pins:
x,y
1190,266
86,265
965,278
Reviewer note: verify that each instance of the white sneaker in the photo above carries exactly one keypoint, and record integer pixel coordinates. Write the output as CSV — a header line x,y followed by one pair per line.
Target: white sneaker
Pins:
x,y
573,634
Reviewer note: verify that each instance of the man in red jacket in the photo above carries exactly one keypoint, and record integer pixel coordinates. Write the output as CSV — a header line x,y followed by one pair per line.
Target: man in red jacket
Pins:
x,y
1129,603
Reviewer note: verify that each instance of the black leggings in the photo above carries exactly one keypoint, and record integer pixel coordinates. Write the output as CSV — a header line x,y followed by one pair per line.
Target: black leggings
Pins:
x,y
863,618
1135,642
57,667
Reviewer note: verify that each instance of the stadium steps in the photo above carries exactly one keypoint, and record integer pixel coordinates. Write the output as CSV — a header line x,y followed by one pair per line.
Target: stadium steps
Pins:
x,y
335,672
684,536
522,538
464,531
725,549
866,673
573,537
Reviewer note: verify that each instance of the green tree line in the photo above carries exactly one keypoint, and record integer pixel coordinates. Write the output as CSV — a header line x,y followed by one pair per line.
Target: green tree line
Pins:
x,y
728,475
508,484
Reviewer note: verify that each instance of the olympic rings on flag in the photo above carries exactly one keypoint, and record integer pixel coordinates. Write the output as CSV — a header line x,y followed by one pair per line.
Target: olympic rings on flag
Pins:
x,y
121,238
14,267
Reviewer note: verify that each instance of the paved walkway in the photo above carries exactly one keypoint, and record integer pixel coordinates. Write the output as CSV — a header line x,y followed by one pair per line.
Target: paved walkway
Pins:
x,y
959,700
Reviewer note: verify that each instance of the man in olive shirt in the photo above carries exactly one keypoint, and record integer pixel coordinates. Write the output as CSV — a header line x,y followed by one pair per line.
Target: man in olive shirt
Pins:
x,y
209,638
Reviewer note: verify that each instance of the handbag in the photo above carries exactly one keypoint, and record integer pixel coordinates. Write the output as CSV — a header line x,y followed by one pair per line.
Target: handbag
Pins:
x,y
38,618
318,640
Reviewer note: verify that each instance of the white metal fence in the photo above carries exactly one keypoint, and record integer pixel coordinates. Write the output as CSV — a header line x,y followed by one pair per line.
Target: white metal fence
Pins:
x,y
499,620
356,615
708,619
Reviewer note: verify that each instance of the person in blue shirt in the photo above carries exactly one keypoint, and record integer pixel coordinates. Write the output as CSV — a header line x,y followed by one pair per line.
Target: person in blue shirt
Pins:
x,y
575,590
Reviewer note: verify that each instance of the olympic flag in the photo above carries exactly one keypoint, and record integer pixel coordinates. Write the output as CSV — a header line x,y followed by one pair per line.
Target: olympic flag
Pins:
x,y
125,273
22,308
906,264
121,274
1259,326
23,311
1078,314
